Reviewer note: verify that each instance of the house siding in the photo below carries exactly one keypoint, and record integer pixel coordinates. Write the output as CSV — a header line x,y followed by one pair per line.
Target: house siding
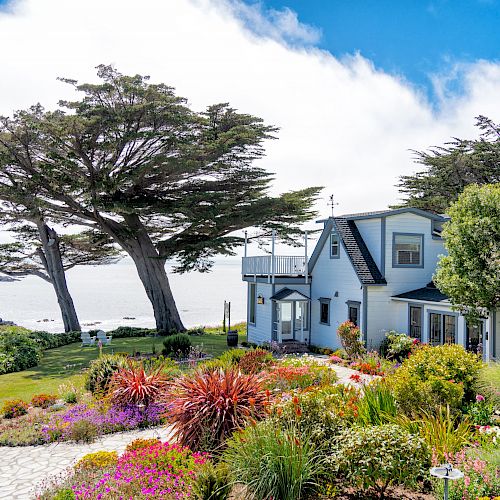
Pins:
x,y
383,313
370,230
330,276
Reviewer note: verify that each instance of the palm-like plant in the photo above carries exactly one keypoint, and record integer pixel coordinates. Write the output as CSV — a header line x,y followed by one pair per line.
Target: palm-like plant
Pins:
x,y
207,406
133,385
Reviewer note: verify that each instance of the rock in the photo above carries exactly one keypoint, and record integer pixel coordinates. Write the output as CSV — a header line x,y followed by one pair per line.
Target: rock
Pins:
x,y
7,323
128,317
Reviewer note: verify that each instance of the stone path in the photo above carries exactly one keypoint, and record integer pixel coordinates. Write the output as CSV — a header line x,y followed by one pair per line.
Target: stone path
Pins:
x,y
344,373
23,467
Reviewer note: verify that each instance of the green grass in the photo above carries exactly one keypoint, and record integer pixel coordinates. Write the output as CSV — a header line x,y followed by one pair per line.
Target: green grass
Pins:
x,y
65,364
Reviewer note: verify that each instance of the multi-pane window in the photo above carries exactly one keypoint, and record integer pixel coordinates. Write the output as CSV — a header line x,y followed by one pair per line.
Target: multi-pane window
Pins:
x,y
334,246
252,301
408,250
442,329
353,311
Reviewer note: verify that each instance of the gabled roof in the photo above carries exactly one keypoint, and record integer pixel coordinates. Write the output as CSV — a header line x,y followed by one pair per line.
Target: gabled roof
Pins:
x,y
396,211
287,294
365,267
428,293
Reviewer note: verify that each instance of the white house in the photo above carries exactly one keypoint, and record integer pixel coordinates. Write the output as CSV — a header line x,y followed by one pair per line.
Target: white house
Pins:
x,y
374,269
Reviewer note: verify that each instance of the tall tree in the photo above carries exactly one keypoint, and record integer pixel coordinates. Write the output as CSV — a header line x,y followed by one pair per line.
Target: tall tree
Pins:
x,y
41,251
450,168
162,180
470,273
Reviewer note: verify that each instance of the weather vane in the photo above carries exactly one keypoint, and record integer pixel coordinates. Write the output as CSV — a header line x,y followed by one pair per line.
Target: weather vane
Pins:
x,y
332,203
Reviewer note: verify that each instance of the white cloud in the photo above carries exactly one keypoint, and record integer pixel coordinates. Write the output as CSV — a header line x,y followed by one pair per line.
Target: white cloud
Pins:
x,y
344,124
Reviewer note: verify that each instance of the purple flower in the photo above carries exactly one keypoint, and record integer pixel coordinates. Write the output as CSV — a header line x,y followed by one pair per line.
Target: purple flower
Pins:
x,y
479,398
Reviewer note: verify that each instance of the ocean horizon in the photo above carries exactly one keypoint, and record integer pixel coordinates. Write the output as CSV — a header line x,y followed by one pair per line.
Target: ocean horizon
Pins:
x,y
106,297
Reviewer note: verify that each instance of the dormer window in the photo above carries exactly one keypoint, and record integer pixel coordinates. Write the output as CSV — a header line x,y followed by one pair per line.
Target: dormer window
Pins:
x,y
407,250
334,246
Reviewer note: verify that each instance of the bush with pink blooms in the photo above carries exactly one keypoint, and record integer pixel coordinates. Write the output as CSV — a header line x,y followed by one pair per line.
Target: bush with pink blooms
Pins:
x,y
162,470
481,476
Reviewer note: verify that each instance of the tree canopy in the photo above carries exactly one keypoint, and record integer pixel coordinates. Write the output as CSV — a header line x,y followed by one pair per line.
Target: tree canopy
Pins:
x,y
470,273
450,168
165,182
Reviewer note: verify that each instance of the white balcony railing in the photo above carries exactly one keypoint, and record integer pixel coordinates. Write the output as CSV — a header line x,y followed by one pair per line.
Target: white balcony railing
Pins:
x,y
278,265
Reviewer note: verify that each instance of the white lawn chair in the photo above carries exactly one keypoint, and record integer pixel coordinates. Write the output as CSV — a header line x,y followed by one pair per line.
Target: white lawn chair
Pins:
x,y
87,340
103,338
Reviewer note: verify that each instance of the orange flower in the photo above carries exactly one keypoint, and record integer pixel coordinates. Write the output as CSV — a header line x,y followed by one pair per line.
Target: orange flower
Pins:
x,y
295,400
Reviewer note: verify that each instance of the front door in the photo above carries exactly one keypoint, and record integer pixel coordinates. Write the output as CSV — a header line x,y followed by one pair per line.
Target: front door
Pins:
x,y
285,324
474,337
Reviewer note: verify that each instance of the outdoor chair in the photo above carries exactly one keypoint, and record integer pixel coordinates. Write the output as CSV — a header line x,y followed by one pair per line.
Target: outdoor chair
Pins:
x,y
103,338
87,340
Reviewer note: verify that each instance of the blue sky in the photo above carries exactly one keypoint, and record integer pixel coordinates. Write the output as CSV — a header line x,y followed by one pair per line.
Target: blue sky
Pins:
x,y
410,38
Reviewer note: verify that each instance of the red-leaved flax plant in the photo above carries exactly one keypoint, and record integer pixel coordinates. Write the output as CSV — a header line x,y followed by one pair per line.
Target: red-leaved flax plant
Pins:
x,y
133,385
207,406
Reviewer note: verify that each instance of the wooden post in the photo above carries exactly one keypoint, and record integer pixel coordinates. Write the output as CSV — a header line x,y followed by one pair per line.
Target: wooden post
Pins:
x,y
246,243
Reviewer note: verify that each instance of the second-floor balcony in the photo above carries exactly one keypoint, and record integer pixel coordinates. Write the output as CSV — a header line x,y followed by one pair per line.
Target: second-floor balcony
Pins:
x,y
274,265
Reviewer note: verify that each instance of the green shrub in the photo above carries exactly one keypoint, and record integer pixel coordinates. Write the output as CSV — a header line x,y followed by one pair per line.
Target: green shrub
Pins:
x,y
378,456
212,482
397,346
83,431
70,397
98,376
14,408
48,340
131,331
18,351
435,376
65,494
488,383
177,345
480,412
274,462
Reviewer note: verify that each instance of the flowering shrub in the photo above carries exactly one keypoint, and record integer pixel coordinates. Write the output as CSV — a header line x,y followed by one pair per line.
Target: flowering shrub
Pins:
x,y
162,470
97,460
255,361
14,408
435,376
489,434
480,412
481,479
350,337
378,456
286,377
336,359
43,400
397,346
321,412
139,443
132,385
207,406
367,368
104,419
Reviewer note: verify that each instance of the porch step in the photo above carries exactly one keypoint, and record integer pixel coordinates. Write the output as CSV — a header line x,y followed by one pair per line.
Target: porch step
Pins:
x,y
294,347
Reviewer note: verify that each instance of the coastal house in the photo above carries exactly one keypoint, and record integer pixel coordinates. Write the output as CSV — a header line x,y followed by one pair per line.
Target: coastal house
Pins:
x,y
374,269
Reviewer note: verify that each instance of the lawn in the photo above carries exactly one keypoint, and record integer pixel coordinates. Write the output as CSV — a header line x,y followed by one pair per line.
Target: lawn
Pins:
x,y
65,364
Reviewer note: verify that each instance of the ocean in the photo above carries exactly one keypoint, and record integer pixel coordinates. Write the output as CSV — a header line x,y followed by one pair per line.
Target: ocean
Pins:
x,y
105,295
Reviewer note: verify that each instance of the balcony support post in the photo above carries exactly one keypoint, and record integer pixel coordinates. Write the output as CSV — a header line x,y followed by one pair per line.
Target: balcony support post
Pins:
x,y
306,264
246,243
272,255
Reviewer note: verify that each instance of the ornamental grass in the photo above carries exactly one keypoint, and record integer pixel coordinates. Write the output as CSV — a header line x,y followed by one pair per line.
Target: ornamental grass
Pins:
x,y
204,408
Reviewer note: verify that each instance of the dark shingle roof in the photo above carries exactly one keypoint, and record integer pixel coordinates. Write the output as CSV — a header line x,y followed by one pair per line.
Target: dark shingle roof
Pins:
x,y
286,292
429,293
361,258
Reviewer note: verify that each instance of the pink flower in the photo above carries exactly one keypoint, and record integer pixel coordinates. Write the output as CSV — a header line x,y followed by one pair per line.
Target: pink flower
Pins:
x,y
479,398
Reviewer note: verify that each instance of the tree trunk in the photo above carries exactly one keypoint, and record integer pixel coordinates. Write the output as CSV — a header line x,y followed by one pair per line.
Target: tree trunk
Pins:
x,y
151,270
52,261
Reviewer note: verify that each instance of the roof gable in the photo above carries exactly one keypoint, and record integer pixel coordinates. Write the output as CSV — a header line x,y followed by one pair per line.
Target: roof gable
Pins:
x,y
388,213
361,259
287,294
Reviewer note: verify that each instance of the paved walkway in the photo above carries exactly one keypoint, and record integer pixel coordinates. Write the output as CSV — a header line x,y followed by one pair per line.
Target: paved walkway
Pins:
x,y
22,468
